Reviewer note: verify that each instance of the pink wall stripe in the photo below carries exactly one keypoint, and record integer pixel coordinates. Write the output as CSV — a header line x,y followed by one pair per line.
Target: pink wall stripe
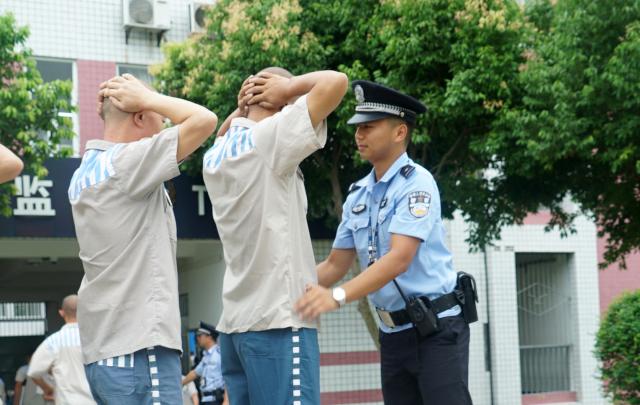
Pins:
x,y
549,398
90,74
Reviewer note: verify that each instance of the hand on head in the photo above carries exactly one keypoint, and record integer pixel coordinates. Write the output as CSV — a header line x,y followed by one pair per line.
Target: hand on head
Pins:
x,y
268,90
125,92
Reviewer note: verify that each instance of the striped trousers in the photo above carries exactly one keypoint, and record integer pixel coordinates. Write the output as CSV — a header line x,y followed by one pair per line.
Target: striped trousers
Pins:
x,y
147,377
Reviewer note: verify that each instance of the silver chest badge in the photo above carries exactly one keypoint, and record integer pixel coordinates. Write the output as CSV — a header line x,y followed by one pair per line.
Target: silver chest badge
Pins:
x,y
359,94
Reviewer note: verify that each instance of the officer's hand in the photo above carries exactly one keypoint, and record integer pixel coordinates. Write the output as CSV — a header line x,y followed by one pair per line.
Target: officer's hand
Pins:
x,y
316,301
243,97
269,91
126,92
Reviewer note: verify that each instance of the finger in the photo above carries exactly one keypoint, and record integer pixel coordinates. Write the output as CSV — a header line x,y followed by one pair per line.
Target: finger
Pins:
x,y
267,105
258,80
117,79
129,76
104,84
119,104
265,75
256,99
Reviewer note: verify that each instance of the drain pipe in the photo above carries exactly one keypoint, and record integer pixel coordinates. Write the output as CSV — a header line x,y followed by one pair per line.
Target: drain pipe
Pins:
x,y
487,329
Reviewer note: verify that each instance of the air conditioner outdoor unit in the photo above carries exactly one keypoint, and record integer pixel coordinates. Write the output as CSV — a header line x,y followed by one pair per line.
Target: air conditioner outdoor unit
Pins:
x,y
147,15
196,16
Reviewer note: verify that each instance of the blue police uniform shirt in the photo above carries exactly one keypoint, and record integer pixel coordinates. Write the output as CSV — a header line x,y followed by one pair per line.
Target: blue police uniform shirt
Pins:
x,y
406,206
210,371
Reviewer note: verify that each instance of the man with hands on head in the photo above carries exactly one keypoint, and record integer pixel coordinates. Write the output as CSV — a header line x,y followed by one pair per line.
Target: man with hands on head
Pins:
x,y
269,355
391,222
128,312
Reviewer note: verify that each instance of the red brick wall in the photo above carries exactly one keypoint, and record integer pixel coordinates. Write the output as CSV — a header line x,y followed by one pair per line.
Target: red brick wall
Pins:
x,y
614,281
90,74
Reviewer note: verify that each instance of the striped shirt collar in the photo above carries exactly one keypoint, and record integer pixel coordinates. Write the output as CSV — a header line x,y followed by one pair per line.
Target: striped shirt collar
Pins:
x,y
242,122
99,144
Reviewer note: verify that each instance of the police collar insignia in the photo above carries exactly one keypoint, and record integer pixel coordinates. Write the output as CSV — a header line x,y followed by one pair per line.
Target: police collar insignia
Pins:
x,y
359,92
419,202
383,203
407,170
359,208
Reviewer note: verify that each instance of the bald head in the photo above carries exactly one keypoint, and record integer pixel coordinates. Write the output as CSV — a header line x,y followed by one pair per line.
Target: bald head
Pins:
x,y
277,71
69,306
111,113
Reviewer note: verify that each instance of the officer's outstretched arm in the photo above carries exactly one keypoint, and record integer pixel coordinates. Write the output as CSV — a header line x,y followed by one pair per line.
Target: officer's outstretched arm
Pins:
x,y
335,267
318,300
189,377
10,165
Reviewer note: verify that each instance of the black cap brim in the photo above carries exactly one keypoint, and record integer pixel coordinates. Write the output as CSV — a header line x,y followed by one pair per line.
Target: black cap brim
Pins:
x,y
362,117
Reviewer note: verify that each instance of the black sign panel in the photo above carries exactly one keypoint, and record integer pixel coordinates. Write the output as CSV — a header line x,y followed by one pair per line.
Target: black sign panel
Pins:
x,y
41,207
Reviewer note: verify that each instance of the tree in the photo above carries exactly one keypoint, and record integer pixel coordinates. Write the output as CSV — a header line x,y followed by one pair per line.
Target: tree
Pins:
x,y
618,350
459,57
575,133
29,122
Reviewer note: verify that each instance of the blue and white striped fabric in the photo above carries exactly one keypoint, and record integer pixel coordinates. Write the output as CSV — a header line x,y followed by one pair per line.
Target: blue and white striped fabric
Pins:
x,y
235,143
96,167
124,361
67,336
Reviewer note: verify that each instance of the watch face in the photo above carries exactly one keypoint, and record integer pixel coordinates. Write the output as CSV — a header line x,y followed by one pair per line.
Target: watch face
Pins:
x,y
339,295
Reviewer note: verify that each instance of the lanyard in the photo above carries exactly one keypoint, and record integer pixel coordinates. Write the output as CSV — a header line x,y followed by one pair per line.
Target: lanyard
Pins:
x,y
372,247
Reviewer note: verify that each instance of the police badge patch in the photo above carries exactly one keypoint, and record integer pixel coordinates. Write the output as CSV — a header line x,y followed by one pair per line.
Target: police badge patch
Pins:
x,y
359,93
359,208
419,202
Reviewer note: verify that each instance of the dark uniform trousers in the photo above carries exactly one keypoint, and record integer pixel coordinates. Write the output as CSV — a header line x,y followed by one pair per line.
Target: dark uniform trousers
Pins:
x,y
428,371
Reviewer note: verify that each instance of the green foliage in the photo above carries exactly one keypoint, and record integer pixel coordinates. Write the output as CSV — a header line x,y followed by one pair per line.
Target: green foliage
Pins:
x,y
28,107
459,57
576,131
618,350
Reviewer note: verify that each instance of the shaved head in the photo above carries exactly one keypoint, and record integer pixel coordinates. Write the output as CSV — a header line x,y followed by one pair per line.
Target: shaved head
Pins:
x,y
70,305
277,71
112,113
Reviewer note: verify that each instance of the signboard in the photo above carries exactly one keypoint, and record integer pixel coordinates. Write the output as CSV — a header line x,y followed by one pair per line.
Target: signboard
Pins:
x,y
41,206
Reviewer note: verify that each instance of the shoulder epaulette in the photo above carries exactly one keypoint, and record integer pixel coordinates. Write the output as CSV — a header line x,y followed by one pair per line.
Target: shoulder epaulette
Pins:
x,y
407,171
353,187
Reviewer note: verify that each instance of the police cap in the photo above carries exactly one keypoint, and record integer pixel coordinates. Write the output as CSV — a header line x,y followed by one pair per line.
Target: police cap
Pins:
x,y
376,101
207,329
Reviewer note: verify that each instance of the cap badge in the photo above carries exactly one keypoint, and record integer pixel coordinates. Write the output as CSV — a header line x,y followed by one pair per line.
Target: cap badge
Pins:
x,y
359,94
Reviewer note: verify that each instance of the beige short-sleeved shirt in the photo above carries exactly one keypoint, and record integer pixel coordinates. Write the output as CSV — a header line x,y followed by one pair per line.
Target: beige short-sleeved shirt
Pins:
x,y
60,355
260,208
124,221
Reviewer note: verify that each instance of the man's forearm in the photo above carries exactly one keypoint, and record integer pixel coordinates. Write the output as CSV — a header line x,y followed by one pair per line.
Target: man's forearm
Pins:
x,y
328,274
176,109
375,276
300,85
189,377
42,384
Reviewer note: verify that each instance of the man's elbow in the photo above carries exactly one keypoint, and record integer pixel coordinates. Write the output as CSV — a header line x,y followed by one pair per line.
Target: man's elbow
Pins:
x,y
209,121
14,168
340,83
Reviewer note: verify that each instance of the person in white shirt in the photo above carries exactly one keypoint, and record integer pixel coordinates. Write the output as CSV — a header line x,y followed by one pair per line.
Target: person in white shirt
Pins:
x,y
61,355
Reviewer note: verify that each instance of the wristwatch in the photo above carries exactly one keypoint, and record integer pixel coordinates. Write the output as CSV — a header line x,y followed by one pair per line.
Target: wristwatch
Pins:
x,y
339,295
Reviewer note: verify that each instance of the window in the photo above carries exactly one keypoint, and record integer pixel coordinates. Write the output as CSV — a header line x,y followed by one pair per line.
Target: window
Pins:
x,y
139,71
59,69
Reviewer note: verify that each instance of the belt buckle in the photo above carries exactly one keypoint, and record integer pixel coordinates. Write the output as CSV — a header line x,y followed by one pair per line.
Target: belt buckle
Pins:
x,y
385,317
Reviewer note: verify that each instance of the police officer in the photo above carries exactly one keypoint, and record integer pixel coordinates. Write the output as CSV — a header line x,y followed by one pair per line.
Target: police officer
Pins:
x,y
209,369
391,221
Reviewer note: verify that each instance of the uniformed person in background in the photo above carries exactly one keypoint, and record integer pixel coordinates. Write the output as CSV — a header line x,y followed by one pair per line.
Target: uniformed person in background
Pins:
x,y
391,221
209,369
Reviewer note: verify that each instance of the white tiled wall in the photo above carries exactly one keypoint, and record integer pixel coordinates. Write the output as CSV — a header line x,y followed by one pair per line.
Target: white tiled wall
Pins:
x,y
91,29
503,303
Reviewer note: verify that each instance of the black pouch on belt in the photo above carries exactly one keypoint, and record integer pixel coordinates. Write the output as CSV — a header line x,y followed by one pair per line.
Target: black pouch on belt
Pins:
x,y
422,316
469,296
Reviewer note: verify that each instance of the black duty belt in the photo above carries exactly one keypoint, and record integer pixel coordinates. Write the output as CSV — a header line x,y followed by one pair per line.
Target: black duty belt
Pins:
x,y
440,304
